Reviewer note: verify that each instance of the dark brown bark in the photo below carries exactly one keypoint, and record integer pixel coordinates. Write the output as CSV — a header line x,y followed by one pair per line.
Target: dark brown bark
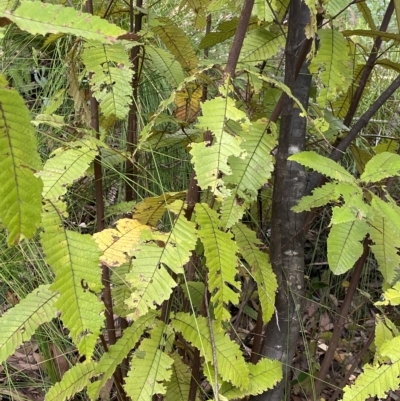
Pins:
x,y
287,242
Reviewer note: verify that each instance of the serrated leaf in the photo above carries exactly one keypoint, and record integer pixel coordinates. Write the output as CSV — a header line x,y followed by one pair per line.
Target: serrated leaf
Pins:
x,y
231,365
366,12
73,381
381,166
344,246
75,260
323,165
391,296
150,367
263,376
20,322
178,387
194,292
20,199
117,244
118,352
260,268
320,197
332,63
166,64
220,252
224,31
111,77
40,18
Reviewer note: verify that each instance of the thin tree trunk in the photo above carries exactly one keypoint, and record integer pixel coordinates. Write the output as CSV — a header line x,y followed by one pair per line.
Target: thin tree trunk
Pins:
x,y
287,239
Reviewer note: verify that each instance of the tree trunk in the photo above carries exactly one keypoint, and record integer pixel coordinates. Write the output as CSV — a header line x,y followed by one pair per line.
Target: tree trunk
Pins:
x,y
287,238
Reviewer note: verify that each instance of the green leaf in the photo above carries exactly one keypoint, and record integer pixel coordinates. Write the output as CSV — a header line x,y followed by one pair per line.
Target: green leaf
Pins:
x,y
111,79
388,210
250,173
210,160
386,36
166,64
320,197
391,296
73,381
260,44
20,322
176,41
75,260
20,199
366,12
344,246
150,367
260,268
225,30
65,165
263,376
110,360
381,166
194,292
179,386
220,252
40,18
332,63
231,365
323,165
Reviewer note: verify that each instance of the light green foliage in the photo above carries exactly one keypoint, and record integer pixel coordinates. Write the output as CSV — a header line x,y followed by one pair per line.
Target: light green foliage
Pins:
x,y
179,385
219,250
20,323
323,165
264,10
117,352
367,14
176,41
73,381
249,173
75,260
40,18
332,65
225,30
20,201
262,376
386,36
320,197
149,278
166,65
335,7
344,246
65,165
385,330
381,166
150,367
391,296
260,267
212,159
111,77
231,365
194,291
260,45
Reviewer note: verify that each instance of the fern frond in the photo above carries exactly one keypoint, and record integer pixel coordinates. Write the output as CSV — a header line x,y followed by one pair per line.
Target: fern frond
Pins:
x,y
261,268
74,258
65,166
381,166
112,77
118,243
249,174
73,381
231,364
260,45
211,160
220,252
176,41
179,386
118,352
151,210
43,18
332,65
150,367
20,322
344,246
264,375
20,190
166,65
323,165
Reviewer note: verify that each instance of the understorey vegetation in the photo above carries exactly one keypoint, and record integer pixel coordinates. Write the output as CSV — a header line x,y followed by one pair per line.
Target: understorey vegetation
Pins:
x,y
199,200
